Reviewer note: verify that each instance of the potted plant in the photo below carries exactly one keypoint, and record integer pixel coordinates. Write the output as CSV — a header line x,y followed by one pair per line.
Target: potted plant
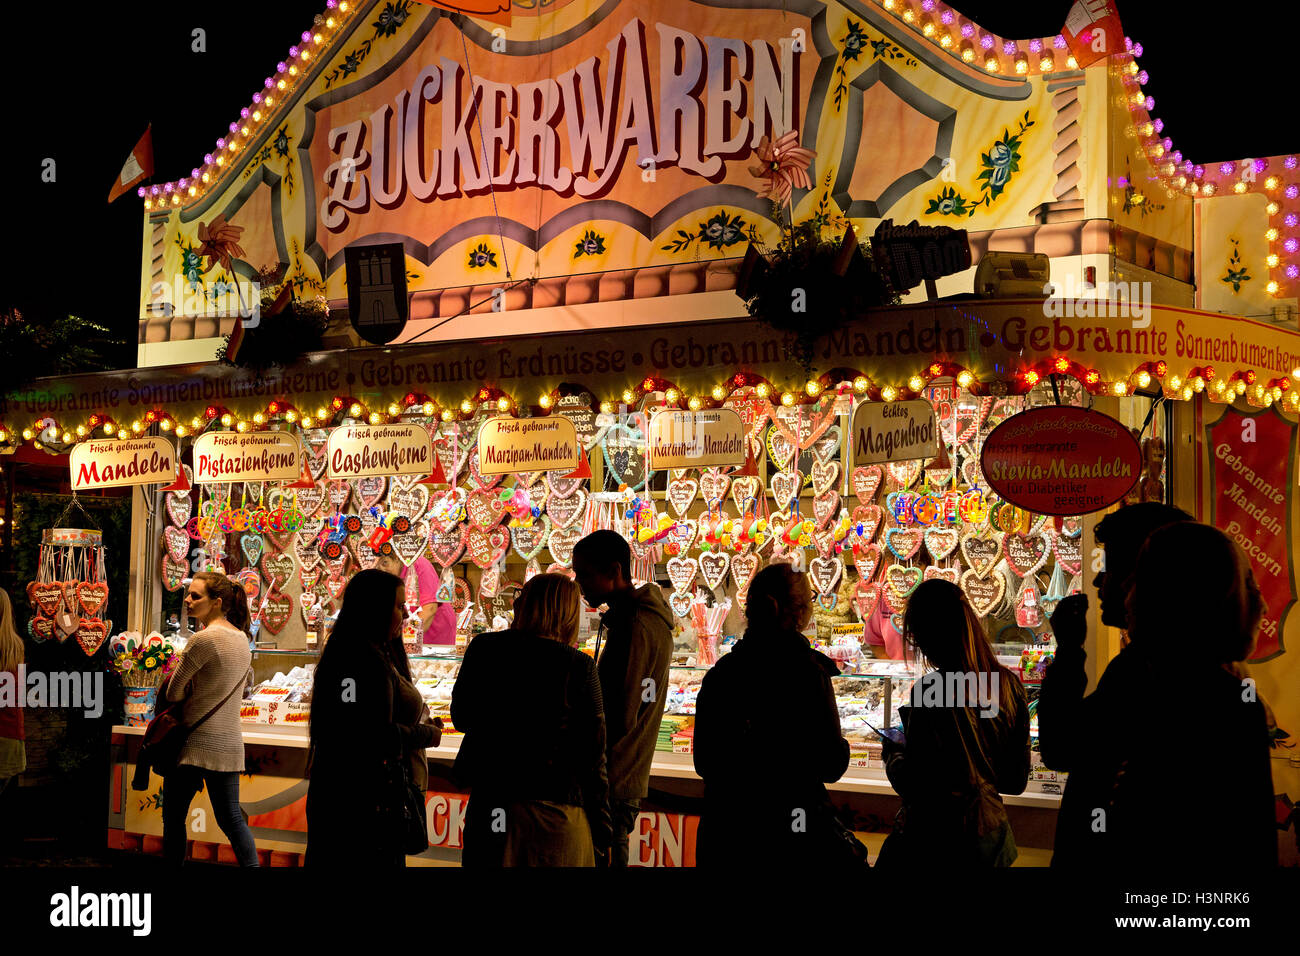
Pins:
x,y
287,327
145,664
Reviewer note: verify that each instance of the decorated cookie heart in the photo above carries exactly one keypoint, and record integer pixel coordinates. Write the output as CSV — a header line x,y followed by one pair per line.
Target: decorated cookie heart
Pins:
x,y
177,543
310,529
866,483
745,491
537,494
984,593
339,492
713,568
277,608
938,478
485,509
315,463
780,449
1025,553
568,511
365,556
981,552
713,485
869,518
866,559
1069,554
250,545
681,494
42,628
904,473
743,569
179,509
680,602
446,546
785,485
277,568
307,553
900,581
91,634
411,545
485,548
528,542
825,573
92,597
173,573
951,575
334,566
310,500
412,501
189,479
48,597
824,475
369,491
825,447
561,487
309,577
941,542
682,572
865,598
447,509
824,540
903,542
682,536
478,480
970,472
561,542
825,507
624,452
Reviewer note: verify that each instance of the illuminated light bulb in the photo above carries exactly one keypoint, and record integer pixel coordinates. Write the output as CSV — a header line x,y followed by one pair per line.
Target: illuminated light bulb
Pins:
x,y
1045,64
1239,187
1208,189
1031,377
545,400
1147,129
889,393
329,24
928,29
606,408
354,409
1062,365
269,102
1241,387
81,432
27,434
1121,388
1187,393
1272,208
1219,387
787,399
1271,288
908,15
991,64
394,409
181,431
1175,383
307,421
1272,260
205,177
1276,392
763,390
242,426
672,396
166,424
226,419
67,438
243,130
1270,183
945,41
695,403
446,414
316,38
628,396
176,200
1022,64
968,54
291,416
428,408
306,55
259,419
719,393
109,428
343,6
860,384
257,116
503,404
375,418
1144,379
279,84
221,160
965,378
1271,235
915,383
813,389
148,204
293,71
467,406
1071,62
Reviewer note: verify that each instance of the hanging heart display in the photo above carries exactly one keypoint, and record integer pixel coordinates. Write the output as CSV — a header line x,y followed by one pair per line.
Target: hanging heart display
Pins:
x,y
682,572
864,523
951,575
91,635
339,492
307,553
755,412
900,581
681,494
941,542
561,487
785,486
479,481
561,543
713,568
529,541
177,543
179,509
745,491
485,509
411,545
981,552
866,559
48,598
743,569
369,491
173,573
315,463
680,602
568,511
335,586
70,599
780,449
310,500
334,566
413,501
446,510
825,574
904,473
866,481
365,556
623,449
447,545
250,545
903,542
984,593
825,447
91,597
1069,553
713,485
824,476
42,628
1025,553
681,537
277,568
276,611
865,599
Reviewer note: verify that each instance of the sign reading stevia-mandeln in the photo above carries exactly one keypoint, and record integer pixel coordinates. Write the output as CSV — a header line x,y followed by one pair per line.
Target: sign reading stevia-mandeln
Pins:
x,y
364,451
258,456
110,463
1061,460
509,445
894,431
697,439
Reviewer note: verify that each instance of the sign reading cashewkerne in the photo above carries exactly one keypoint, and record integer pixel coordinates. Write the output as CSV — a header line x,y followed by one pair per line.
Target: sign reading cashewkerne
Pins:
x,y
1061,460
508,445
259,456
894,431
111,462
696,439
364,451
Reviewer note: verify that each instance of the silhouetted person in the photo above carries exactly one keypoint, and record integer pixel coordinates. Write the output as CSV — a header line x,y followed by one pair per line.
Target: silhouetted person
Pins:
x,y
1180,775
783,818
967,741
365,715
535,766
637,636
1067,734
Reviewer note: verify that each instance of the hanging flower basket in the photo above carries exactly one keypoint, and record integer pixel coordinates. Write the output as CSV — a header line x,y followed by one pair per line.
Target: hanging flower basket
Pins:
x,y
282,335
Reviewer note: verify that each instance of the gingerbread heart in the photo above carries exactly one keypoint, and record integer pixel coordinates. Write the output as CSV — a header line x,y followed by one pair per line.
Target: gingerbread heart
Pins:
x,y
335,586
970,472
447,545
91,635
448,509
865,598
680,602
825,447
682,572
369,491
780,448
1071,527
866,559
277,568
42,628
713,485
866,521
1069,554
251,546
310,529
92,597
334,566
411,545
743,569
904,473
567,511
365,556
485,509
561,543
277,608
903,542
177,543
307,553
411,501
681,494
713,568
479,480
48,597
1025,553
529,541
315,463
537,494
900,581
941,542
951,575
825,572
785,486
825,507
179,509
339,492
309,500
984,593
981,552
866,481
682,536
824,474
173,573
309,577
560,486
745,492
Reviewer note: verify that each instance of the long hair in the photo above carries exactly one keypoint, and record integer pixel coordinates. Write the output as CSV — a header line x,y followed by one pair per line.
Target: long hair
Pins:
x,y
363,629
940,623
548,606
234,600
11,645
1193,584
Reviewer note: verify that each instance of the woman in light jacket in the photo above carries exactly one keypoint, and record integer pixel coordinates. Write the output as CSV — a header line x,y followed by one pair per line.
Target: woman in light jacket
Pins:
x,y
216,659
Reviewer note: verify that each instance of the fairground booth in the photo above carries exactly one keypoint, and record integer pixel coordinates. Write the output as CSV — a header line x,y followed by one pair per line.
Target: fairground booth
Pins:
x,y
744,281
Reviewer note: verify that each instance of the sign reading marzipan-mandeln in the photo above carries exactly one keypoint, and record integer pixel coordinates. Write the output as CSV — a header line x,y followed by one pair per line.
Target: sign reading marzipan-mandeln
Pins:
x,y
260,456
697,439
508,445
894,431
364,451
111,463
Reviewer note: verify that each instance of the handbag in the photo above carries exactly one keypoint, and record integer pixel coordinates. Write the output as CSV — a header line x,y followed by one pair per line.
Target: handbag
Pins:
x,y
840,846
404,808
165,738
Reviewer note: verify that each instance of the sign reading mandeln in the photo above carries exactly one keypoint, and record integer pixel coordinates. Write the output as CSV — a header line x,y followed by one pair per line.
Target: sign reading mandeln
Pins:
x,y
111,463
363,451
894,431
260,456
509,445
696,439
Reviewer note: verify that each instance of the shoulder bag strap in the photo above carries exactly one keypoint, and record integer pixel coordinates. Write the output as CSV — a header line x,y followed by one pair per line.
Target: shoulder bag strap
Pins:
x,y
195,726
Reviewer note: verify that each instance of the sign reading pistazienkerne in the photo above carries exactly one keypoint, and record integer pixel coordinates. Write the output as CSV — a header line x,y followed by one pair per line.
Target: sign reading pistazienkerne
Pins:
x,y
258,456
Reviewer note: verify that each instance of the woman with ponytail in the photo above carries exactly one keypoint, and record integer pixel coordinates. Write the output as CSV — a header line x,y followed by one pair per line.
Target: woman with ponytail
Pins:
x,y
213,668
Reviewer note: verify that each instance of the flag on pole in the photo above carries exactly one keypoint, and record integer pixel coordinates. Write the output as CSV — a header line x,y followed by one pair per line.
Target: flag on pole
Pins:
x,y
1092,31
138,166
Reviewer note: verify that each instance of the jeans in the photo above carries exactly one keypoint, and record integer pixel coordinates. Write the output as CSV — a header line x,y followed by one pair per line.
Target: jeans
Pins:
x,y
179,788
623,814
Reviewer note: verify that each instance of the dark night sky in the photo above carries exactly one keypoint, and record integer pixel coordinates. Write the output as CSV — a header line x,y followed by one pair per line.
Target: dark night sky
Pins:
x,y
1220,92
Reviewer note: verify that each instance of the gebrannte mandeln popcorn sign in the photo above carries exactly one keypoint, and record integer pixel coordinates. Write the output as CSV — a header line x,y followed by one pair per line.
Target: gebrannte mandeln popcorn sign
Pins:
x,y
509,445
696,439
362,451
234,456
111,463
894,431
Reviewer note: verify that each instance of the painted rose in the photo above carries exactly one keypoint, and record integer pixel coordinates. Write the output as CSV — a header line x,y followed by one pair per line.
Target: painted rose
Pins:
x,y
1000,156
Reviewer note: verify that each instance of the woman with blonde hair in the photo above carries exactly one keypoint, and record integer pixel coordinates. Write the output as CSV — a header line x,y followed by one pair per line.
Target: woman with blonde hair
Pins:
x,y
13,750
535,765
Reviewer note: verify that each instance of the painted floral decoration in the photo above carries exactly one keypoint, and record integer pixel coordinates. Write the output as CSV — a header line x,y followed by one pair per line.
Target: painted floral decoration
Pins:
x,y
481,256
591,244
1237,272
997,167
392,18
718,232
